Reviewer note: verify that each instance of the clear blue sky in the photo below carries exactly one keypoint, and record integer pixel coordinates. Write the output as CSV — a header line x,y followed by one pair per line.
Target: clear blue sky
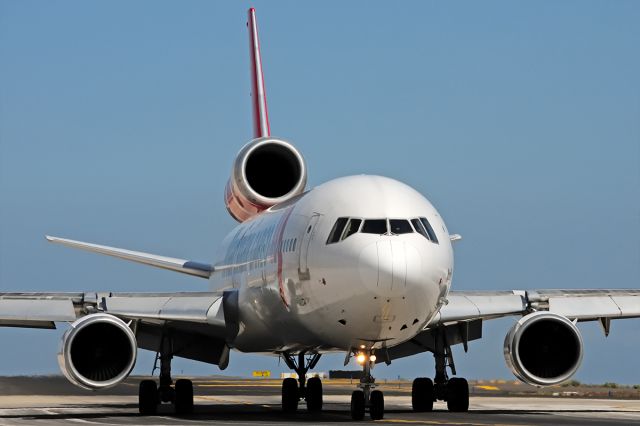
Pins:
x,y
520,121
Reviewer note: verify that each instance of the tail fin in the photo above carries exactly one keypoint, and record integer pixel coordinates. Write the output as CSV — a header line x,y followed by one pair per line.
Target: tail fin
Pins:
x,y
258,93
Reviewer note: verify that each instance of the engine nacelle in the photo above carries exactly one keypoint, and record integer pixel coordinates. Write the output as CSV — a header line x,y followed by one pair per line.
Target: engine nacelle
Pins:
x,y
97,352
543,349
266,172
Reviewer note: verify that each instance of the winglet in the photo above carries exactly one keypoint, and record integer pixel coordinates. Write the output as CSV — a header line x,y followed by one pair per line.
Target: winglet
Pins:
x,y
258,93
184,266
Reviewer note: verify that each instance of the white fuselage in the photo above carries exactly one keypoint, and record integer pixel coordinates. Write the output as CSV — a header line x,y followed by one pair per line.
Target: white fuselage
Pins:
x,y
298,292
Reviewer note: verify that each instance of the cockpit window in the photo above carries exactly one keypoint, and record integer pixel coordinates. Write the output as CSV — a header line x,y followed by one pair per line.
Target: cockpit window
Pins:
x,y
419,227
400,226
429,229
336,232
375,226
352,228
346,227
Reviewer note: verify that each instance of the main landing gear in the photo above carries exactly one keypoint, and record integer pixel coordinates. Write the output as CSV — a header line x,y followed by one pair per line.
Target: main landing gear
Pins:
x,y
366,396
454,390
150,395
310,390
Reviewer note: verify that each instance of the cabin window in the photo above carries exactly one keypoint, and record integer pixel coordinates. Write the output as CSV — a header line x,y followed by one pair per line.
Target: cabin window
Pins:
x,y
336,232
375,226
400,226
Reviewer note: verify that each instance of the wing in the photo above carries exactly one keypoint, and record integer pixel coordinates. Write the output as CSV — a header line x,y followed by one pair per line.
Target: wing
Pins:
x,y
171,263
200,322
581,305
461,318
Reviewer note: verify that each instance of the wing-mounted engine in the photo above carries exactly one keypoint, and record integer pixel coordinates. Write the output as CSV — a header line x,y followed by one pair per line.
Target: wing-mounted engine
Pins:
x,y
543,349
267,171
97,352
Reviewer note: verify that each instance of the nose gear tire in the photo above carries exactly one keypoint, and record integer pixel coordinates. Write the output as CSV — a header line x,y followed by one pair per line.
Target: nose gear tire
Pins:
x,y
376,410
357,405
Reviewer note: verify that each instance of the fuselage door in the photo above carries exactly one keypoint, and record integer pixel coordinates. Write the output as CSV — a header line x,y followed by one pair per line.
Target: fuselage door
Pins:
x,y
303,269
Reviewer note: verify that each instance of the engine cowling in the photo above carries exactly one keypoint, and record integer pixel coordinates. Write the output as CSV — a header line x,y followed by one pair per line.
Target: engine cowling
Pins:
x,y
266,172
97,352
543,349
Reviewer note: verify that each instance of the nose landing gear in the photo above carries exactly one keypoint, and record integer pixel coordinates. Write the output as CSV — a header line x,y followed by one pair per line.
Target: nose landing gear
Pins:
x,y
366,396
454,390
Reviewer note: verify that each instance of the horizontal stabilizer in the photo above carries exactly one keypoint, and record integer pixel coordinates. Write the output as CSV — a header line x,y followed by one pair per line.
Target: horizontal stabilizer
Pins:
x,y
179,265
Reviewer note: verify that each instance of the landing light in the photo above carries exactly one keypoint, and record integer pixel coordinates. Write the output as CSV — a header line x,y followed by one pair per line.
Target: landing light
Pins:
x,y
361,358
372,358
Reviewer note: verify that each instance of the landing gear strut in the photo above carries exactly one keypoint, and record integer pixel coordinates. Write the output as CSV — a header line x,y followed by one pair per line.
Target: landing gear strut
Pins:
x,y
454,390
293,391
151,395
366,396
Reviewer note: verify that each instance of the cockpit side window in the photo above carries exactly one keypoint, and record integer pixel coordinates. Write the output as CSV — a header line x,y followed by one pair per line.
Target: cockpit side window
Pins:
x,y
419,227
375,226
430,231
336,232
351,228
400,226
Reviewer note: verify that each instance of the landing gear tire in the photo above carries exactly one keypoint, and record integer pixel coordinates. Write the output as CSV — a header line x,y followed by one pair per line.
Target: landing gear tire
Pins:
x,y
422,394
357,405
314,394
458,395
289,395
376,409
184,396
148,398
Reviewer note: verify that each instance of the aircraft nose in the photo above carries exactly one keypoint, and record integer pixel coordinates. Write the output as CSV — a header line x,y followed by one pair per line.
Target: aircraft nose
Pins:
x,y
390,267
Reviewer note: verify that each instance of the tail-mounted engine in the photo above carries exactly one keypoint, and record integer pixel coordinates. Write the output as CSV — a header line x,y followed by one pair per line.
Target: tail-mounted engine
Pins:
x,y
543,349
97,352
266,172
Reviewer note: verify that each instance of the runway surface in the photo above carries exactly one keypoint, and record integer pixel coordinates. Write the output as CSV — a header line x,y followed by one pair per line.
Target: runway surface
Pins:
x,y
52,401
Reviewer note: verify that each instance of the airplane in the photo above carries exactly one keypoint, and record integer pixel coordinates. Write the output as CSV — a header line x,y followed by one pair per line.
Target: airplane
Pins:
x,y
360,265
